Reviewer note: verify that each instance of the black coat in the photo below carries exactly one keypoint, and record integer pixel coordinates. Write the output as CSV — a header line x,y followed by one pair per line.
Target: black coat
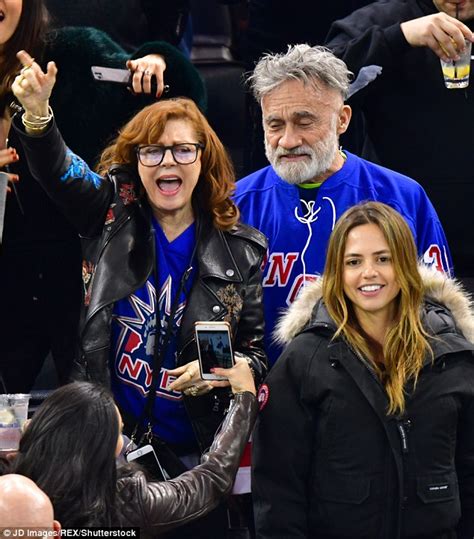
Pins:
x,y
116,229
329,462
408,112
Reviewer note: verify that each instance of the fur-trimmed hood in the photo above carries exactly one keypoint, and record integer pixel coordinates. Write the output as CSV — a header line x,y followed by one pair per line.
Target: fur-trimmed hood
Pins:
x,y
438,287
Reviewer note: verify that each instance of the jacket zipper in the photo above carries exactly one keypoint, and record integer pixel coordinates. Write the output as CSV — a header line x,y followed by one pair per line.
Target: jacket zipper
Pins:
x,y
368,366
403,427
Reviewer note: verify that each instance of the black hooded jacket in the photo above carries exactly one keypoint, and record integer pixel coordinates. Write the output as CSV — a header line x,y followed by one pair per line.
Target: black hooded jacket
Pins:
x,y
329,463
414,124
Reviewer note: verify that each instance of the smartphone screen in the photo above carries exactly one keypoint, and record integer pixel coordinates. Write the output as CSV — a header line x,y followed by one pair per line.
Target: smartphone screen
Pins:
x,y
215,349
146,457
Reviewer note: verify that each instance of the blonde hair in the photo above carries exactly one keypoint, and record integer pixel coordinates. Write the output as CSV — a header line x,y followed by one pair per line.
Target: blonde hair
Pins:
x,y
406,345
217,180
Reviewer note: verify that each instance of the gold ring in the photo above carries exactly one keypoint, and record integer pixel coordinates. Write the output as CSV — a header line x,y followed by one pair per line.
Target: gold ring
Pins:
x,y
193,391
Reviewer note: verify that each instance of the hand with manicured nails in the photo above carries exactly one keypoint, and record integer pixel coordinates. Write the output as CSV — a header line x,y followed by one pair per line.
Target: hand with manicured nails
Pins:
x,y
7,157
143,70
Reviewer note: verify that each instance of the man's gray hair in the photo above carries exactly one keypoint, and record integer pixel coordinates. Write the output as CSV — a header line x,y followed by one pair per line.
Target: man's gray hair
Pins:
x,y
301,62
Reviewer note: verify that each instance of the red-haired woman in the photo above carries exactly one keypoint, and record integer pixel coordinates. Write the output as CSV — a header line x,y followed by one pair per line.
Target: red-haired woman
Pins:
x,y
40,270
163,249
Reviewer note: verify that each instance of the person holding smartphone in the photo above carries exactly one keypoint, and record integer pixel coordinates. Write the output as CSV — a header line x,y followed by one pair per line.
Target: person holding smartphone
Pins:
x,y
80,423
163,248
371,405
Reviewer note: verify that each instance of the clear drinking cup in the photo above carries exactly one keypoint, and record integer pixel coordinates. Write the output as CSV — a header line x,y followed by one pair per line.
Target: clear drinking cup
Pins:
x,y
456,73
13,414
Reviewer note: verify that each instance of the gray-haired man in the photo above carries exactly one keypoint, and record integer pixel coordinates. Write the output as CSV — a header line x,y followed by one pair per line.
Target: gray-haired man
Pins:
x,y
310,182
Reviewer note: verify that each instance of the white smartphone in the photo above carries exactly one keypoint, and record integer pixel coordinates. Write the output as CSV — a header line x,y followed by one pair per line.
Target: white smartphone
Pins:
x,y
112,74
146,457
214,348
121,76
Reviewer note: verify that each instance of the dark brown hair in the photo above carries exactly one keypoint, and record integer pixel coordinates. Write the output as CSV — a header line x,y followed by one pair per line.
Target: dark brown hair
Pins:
x,y
216,184
30,35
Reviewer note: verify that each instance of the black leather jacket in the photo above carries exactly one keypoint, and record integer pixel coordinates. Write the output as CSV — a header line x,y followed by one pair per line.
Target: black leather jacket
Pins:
x,y
118,250
159,506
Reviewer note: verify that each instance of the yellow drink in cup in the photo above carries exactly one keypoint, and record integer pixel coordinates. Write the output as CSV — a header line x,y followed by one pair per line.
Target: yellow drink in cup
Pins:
x,y
456,74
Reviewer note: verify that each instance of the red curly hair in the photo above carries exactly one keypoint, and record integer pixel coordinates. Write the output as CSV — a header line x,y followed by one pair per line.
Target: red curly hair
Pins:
x,y
216,184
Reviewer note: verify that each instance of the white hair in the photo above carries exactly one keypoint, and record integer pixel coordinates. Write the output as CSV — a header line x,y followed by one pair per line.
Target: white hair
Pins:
x,y
301,62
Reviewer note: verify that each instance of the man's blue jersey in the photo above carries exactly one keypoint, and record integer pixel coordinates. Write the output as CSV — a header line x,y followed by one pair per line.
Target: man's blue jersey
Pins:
x,y
298,237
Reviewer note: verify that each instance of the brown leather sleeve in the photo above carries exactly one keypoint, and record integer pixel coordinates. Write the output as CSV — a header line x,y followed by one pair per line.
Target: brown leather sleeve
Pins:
x,y
160,506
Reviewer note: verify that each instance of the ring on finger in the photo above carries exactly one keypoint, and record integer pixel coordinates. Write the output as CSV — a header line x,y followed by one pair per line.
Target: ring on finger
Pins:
x,y
25,68
148,72
204,387
193,391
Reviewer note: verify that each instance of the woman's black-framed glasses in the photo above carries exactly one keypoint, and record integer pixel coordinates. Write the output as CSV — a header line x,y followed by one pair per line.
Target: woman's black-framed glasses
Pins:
x,y
153,154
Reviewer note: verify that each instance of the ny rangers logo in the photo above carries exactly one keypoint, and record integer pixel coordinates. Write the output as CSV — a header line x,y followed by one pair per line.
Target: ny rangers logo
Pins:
x,y
137,337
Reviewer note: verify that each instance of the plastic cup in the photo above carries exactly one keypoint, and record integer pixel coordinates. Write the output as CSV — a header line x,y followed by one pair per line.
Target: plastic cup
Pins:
x,y
456,74
13,414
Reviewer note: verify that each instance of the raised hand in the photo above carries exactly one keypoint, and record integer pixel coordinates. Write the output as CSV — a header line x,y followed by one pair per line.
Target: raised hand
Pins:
x,y
32,87
443,34
143,69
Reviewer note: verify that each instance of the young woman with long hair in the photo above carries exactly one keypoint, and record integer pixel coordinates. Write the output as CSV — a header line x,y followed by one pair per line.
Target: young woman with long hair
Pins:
x,y
40,268
372,403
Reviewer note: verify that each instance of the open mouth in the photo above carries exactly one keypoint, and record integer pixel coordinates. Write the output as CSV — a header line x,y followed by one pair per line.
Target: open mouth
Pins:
x,y
169,185
2,16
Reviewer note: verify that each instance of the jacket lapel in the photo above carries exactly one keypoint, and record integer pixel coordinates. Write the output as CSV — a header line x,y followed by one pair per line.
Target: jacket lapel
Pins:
x,y
216,268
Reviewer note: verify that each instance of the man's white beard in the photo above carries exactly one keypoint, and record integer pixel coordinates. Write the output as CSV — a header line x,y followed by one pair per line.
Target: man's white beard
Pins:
x,y
319,159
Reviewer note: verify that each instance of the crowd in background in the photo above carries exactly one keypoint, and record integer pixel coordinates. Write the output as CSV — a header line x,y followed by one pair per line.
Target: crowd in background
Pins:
x,y
105,269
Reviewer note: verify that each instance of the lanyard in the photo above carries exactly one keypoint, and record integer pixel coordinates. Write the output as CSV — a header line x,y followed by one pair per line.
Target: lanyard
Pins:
x,y
162,343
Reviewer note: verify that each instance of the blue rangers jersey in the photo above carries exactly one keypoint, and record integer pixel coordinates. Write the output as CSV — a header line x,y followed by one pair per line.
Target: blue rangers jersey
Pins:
x,y
298,231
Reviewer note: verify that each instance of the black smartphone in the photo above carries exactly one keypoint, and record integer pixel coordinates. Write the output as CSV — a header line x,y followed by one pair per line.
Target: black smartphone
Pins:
x,y
146,457
214,348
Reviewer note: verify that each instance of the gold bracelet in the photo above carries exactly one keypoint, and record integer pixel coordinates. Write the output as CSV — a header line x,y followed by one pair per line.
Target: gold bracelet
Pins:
x,y
39,123
39,119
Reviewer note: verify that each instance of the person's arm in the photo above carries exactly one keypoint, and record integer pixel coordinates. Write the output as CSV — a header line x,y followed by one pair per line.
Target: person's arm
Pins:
x,y
159,506
379,34
431,240
282,448
369,36
75,50
80,193
465,471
